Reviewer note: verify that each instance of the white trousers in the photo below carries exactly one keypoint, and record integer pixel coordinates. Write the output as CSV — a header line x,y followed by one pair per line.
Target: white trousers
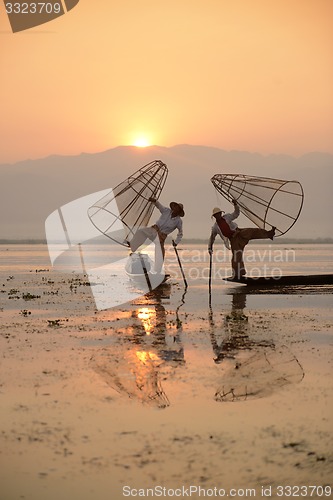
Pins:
x,y
141,237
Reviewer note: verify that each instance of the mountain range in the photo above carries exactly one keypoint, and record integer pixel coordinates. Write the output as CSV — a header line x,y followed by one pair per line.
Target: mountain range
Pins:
x,y
30,190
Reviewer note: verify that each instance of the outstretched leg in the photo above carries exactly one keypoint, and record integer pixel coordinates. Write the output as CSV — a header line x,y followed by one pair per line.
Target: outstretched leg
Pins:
x,y
140,237
238,242
255,233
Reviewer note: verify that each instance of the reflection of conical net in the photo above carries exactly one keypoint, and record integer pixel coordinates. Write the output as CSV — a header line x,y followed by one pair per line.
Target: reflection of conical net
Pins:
x,y
266,202
260,375
127,207
135,374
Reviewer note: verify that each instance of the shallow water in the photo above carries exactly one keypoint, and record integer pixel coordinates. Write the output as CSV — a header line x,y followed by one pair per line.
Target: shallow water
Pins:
x,y
164,389
291,259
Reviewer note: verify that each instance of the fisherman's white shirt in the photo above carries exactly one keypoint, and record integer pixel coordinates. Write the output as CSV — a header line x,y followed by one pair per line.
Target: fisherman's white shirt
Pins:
x,y
167,224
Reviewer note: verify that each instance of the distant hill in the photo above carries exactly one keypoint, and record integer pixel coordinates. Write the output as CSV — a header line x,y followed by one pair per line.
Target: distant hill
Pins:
x,y
30,190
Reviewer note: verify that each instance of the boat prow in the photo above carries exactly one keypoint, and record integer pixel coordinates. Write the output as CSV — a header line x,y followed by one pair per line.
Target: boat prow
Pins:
x,y
139,268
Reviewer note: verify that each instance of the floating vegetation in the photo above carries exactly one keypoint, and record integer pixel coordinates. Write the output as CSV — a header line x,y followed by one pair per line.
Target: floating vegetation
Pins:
x,y
29,296
25,312
54,322
12,294
76,282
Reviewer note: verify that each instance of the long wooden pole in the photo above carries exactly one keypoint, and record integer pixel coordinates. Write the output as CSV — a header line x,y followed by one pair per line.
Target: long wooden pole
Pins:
x,y
210,278
145,271
180,264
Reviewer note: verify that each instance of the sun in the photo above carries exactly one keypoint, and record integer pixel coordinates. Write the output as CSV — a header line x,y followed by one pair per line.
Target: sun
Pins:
x,y
141,142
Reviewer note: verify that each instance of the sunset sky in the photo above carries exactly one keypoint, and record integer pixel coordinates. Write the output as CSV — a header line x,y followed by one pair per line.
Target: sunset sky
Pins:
x,y
254,75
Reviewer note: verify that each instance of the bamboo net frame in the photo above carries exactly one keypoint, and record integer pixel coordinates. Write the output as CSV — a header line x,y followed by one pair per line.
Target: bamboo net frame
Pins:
x,y
265,201
127,207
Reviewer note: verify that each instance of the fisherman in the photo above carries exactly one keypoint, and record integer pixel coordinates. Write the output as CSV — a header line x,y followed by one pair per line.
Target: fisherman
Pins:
x,y
234,238
169,220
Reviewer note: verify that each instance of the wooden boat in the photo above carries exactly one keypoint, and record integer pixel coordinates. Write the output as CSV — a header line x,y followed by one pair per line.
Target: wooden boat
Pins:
x,y
155,279
292,280
139,269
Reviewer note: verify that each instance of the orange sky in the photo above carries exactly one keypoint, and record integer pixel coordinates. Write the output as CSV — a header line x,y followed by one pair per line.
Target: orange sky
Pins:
x,y
253,75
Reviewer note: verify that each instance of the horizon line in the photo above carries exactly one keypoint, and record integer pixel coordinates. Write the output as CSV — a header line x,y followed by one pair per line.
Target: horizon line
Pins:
x,y
152,146
42,241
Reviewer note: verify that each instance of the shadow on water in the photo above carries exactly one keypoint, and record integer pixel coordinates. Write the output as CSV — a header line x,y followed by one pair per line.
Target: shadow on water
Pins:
x,y
235,334
157,350
149,352
255,367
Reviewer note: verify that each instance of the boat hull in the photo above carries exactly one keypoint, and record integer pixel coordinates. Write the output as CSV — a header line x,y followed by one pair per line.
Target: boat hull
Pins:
x,y
292,280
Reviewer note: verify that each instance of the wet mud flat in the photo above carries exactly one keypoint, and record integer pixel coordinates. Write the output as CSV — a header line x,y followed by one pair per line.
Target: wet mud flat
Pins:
x,y
164,391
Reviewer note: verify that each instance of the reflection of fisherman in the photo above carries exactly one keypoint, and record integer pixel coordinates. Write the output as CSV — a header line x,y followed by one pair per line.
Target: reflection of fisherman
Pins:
x,y
234,237
252,368
154,322
236,327
169,220
138,364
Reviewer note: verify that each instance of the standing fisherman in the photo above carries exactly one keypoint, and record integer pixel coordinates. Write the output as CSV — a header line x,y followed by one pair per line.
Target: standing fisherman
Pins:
x,y
235,238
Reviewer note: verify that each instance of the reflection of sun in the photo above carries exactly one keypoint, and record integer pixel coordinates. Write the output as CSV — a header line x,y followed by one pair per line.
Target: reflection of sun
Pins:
x,y
145,356
146,315
141,142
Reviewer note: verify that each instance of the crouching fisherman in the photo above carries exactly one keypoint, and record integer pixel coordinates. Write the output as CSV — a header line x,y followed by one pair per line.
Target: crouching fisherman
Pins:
x,y
170,220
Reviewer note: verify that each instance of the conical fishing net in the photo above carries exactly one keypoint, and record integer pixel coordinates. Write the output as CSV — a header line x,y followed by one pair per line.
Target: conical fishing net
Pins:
x,y
266,202
127,207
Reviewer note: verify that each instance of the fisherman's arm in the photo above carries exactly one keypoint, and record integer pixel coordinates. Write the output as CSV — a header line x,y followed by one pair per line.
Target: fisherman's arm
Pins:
x,y
158,205
212,239
236,211
180,232
213,235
